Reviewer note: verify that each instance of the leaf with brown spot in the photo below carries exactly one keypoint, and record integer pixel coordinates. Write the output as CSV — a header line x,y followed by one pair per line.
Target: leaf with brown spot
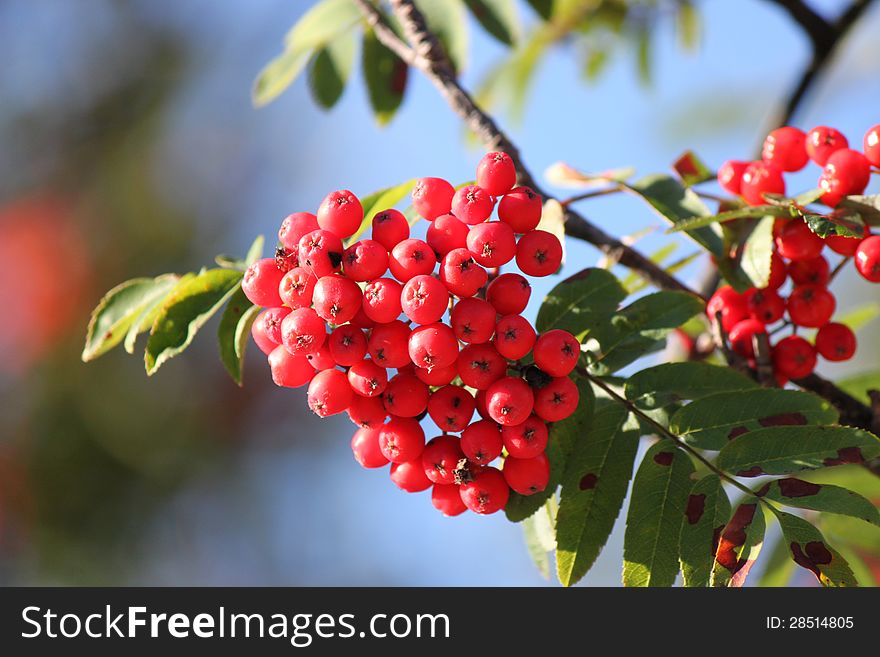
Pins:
x,y
706,513
739,544
821,497
810,550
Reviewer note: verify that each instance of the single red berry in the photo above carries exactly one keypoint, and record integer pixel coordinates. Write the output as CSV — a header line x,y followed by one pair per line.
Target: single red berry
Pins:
x,y
321,359
367,379
557,400
480,399
492,244
432,197
361,321
833,190
266,328
850,168
365,447
514,337
432,345
472,204
822,141
765,305
496,173
390,228
480,365
261,281
424,299
527,476
794,357
742,334
381,301
461,274
446,499
440,459
365,260
289,370
411,258
481,442
320,252
451,408
473,320
437,376
336,299
329,393
387,344
811,306
845,246
526,440
786,148
761,178
557,352
732,305
294,227
872,145
814,271
797,242
510,401
402,440
538,253
487,493
347,345
778,271
296,288
341,213
445,233
367,412
868,258
410,476
509,294
730,176
836,342
302,331
521,209
405,396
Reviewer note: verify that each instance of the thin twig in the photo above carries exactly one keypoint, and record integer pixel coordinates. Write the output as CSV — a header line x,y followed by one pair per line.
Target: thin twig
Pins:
x,y
591,194
763,364
838,268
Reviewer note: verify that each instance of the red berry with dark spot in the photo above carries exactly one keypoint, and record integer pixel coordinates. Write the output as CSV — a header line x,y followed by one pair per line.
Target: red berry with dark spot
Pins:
x,y
289,370
730,176
509,294
432,345
341,213
492,244
538,253
814,271
811,306
509,401
514,337
440,459
557,400
365,260
472,204
266,328
381,302
321,359
786,148
261,281
868,258
387,344
761,178
294,227
765,305
303,331
487,493
367,411
336,299
451,408
390,228
481,442
480,365
445,233
794,357
872,145
410,476
367,379
432,197
797,242
822,141
836,342
527,476
520,209
405,396
742,334
447,500
402,440
527,439
732,305
424,299
296,288
411,258
473,320
496,173
329,393
461,274
365,447
557,352
347,344
320,252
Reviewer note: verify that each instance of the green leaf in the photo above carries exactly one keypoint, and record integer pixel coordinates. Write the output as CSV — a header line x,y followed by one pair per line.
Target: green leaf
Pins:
x,y
867,207
656,512
119,309
644,55
810,550
778,566
234,330
757,252
713,421
661,385
859,384
385,75
826,225
144,321
185,311
255,252
747,212
691,169
739,545
580,301
277,75
330,69
384,199
688,24
447,19
498,17
820,497
544,8
593,489
785,450
706,513
540,536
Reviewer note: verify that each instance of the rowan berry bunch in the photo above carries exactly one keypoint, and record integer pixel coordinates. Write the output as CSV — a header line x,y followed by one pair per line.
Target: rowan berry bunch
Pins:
x,y
394,329
798,251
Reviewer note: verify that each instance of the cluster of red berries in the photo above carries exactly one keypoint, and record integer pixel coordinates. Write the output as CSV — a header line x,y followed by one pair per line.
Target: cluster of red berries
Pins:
x,y
455,339
797,251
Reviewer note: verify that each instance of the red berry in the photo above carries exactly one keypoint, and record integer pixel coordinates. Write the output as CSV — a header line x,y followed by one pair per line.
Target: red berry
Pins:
x,y
410,476
402,440
481,442
492,244
480,398
289,370
294,227
850,168
811,306
321,359
381,301
797,242
487,493
361,321
447,500
411,258
814,271
367,411
261,281
473,320
872,145
833,190
445,233
496,173
390,228
868,258
451,408
509,401
761,178
329,393
472,204
557,352
266,328
365,260
347,344
509,293
538,253
296,288
822,141
365,447
367,379
437,376
730,176
320,252
302,331
742,334
765,305
527,476
794,357
836,342
432,345
557,400
432,197
778,271
461,274
387,344
514,337
440,459
732,305
405,396
786,148
424,299
336,299
341,213
521,209
845,246
527,439
480,365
